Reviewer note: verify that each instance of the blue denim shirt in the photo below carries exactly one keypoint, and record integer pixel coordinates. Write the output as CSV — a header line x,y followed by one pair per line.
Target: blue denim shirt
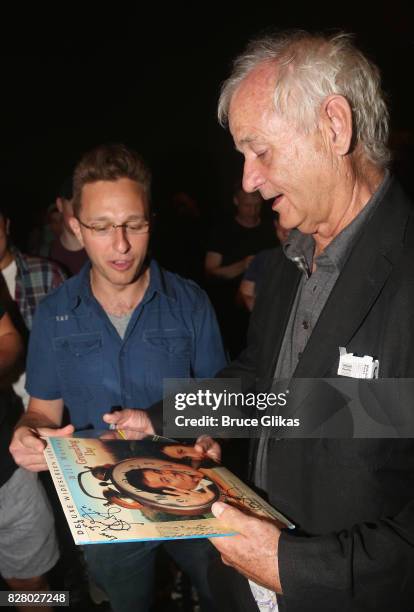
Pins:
x,y
75,352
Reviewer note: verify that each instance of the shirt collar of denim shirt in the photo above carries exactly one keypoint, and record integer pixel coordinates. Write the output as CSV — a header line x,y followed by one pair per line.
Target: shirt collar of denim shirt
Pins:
x,y
80,288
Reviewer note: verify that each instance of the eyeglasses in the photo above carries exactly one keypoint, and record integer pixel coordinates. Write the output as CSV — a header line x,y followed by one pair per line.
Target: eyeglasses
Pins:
x,y
106,229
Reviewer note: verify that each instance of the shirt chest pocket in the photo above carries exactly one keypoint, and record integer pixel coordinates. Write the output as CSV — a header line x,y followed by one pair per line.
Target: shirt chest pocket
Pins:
x,y
80,365
167,353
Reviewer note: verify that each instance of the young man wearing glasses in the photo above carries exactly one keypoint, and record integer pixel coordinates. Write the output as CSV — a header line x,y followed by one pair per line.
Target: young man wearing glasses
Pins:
x,y
107,339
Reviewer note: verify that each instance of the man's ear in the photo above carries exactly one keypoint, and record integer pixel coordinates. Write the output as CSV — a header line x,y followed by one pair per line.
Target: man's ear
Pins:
x,y
75,227
337,123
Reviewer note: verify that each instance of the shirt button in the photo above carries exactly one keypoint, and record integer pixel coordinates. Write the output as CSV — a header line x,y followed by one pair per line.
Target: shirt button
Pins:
x,y
305,325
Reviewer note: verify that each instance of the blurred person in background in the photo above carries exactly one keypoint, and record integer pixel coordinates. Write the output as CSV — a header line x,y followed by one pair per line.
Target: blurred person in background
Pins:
x,y
250,284
231,247
28,545
66,249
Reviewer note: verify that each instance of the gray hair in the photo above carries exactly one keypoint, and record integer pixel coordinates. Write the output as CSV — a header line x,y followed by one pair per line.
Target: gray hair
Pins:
x,y
310,68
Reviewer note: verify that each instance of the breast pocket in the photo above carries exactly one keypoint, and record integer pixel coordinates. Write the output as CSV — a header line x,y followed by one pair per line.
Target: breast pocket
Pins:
x,y
80,365
167,353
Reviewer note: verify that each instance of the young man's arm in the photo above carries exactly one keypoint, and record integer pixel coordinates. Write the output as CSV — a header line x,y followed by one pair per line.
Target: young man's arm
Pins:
x,y
43,418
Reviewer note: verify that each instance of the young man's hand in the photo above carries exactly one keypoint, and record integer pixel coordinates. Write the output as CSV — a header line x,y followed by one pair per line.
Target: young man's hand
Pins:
x,y
27,445
134,424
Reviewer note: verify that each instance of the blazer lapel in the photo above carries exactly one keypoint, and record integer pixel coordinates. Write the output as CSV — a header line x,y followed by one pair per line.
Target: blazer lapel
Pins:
x,y
344,311
282,292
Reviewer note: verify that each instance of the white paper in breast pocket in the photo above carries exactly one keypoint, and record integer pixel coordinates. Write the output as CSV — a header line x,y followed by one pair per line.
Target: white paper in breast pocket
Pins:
x,y
357,367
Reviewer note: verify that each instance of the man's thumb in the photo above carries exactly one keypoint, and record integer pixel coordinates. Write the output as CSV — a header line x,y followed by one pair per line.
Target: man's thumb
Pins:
x,y
112,417
50,432
231,516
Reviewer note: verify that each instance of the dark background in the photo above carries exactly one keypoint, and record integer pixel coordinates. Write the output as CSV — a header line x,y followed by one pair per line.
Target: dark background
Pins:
x,y
75,78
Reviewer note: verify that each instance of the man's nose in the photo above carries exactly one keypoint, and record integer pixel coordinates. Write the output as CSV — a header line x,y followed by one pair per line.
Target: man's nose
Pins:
x,y
253,178
120,238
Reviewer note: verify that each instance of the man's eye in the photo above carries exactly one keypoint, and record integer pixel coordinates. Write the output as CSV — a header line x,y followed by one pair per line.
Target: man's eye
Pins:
x,y
100,229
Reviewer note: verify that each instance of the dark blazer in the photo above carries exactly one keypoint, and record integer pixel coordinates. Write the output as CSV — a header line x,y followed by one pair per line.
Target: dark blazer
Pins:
x,y
352,499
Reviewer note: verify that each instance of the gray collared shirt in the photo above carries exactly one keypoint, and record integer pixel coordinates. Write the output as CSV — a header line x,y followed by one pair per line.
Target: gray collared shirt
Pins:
x,y
311,297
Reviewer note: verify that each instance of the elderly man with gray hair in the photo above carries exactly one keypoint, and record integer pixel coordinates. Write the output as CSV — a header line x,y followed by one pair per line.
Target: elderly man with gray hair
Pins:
x,y
307,113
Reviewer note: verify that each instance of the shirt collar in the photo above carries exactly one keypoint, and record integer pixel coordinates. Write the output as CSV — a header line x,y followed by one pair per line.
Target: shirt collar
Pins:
x,y
159,283
80,287
299,247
